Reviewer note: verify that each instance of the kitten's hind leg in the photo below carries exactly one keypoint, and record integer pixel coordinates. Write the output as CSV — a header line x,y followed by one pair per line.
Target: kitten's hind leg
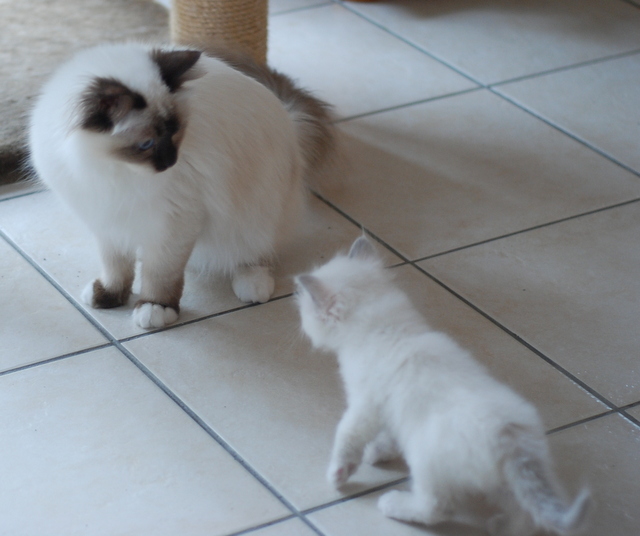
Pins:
x,y
412,507
382,449
113,288
253,283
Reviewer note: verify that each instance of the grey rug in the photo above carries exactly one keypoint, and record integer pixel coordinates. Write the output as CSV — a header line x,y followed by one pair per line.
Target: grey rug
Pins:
x,y
37,35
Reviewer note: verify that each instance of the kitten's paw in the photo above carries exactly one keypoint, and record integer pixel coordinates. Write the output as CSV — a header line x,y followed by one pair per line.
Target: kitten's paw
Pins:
x,y
253,284
153,315
98,297
338,474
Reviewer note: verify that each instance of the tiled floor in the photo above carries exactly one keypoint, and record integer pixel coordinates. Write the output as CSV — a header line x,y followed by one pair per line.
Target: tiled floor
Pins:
x,y
493,148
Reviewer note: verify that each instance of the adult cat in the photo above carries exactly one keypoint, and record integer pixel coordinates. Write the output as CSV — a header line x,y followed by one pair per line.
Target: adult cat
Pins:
x,y
414,392
169,155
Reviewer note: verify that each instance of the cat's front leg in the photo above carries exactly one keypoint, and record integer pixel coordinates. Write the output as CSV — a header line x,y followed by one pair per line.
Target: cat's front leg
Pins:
x,y
358,426
113,288
162,284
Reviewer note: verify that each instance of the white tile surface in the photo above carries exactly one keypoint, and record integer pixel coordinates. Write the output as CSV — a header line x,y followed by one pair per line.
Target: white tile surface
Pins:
x,y
91,446
36,321
353,65
496,40
605,456
255,381
449,173
571,290
592,103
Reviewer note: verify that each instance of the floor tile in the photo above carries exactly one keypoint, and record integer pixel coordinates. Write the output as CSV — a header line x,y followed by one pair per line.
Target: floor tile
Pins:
x,y
497,40
353,65
279,6
605,455
14,189
634,412
293,527
607,92
448,173
559,400
36,321
571,290
91,446
252,377
63,247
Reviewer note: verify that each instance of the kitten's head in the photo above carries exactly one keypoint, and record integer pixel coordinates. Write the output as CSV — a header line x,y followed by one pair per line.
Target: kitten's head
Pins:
x,y
133,108
332,298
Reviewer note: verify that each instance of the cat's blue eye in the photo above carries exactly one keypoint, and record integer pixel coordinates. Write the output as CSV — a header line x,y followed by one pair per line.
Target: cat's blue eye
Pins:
x,y
146,145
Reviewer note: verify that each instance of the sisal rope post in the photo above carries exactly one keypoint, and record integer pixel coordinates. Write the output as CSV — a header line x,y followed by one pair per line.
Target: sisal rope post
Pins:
x,y
238,24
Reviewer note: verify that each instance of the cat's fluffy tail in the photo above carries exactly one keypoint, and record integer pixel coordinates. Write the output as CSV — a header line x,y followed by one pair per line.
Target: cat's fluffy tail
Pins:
x,y
311,115
535,489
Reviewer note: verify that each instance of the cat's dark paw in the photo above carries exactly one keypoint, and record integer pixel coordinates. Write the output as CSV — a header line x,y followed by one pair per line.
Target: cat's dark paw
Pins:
x,y
149,315
97,296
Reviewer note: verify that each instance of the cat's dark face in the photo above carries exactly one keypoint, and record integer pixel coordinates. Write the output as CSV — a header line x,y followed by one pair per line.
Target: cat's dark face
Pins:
x,y
144,130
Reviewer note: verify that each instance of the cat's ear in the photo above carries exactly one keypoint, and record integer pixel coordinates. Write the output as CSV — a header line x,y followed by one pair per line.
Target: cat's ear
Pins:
x,y
362,248
105,102
177,66
325,301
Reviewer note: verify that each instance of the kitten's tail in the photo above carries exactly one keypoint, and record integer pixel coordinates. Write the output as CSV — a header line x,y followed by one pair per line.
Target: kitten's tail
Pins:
x,y
535,489
312,117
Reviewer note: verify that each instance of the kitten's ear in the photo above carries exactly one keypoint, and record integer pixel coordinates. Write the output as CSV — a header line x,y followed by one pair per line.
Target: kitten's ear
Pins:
x,y
325,301
105,102
176,66
362,248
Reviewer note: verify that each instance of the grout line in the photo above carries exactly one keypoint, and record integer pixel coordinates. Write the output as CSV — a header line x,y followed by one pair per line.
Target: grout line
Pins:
x,y
23,194
214,435
54,359
262,526
564,131
147,372
629,417
526,344
408,42
406,105
356,495
405,260
578,65
581,421
202,318
303,8
528,229
631,3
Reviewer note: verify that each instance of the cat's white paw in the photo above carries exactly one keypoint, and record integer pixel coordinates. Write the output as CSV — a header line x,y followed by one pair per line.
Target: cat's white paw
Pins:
x,y
338,474
87,294
253,284
153,315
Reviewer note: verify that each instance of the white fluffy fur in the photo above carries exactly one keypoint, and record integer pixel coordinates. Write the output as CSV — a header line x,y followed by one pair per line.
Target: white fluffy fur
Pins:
x,y
414,391
234,194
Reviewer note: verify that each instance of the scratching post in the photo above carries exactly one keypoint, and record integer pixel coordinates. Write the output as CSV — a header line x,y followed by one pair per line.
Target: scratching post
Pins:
x,y
239,24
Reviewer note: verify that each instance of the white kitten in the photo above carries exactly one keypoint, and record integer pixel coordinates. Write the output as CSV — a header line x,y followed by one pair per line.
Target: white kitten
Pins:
x,y
415,392
171,154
